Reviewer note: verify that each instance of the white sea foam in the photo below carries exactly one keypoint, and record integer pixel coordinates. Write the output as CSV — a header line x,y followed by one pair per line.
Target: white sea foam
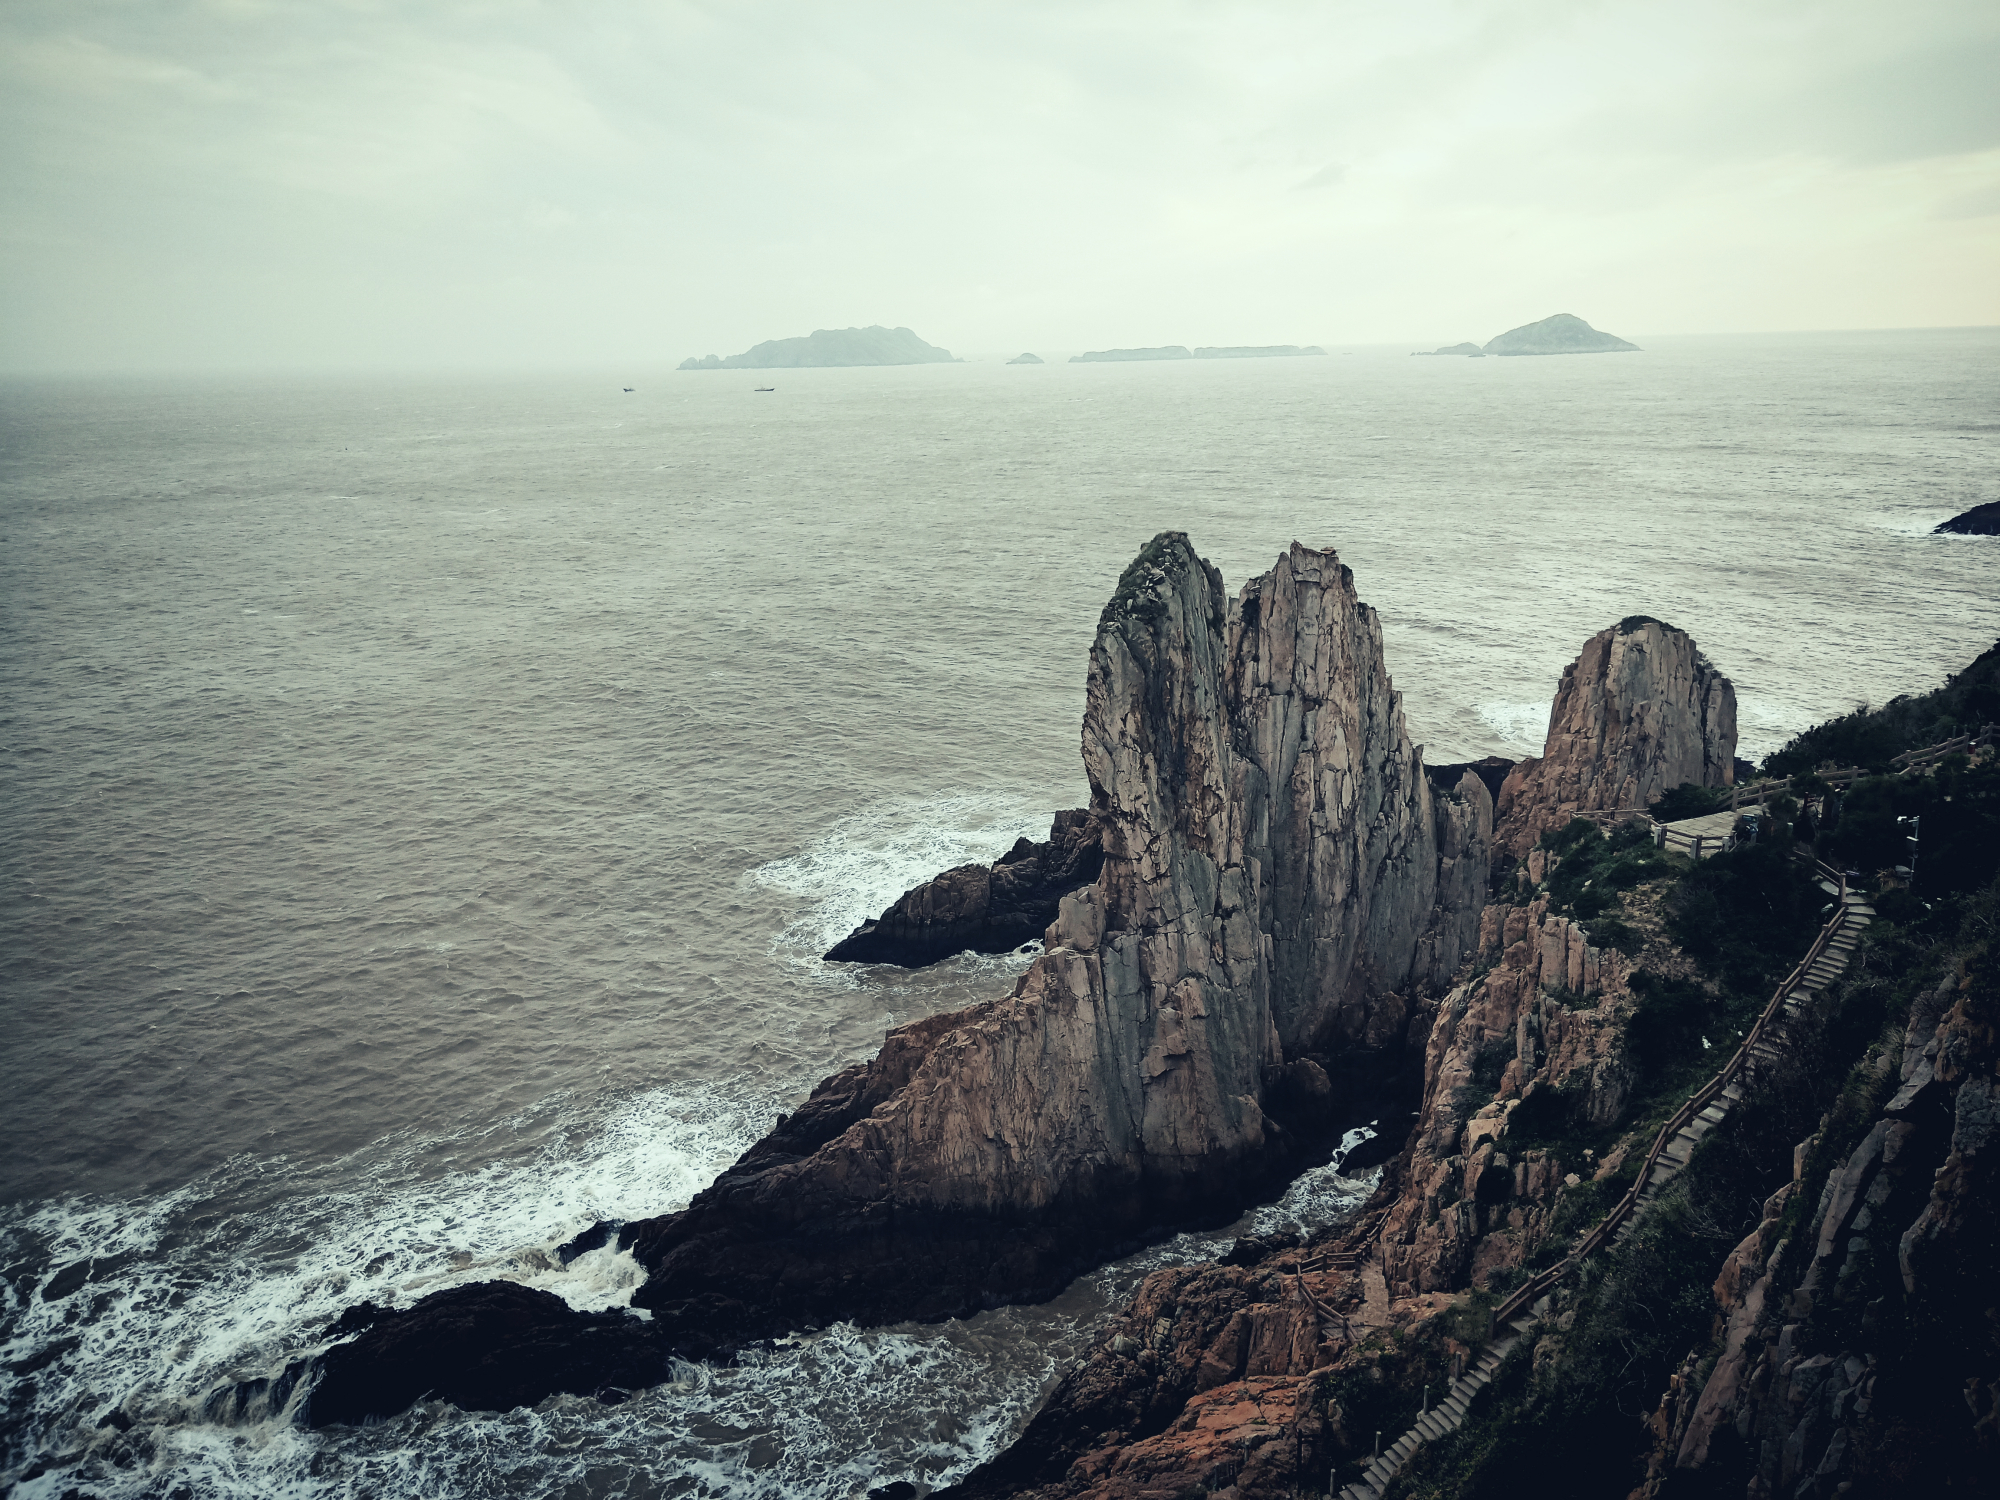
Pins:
x,y
856,868
1912,523
192,1298
1522,727
1323,1196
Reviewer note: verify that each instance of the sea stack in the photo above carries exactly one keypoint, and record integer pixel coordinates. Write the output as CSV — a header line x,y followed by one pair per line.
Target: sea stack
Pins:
x,y
1278,893
1267,910
1639,712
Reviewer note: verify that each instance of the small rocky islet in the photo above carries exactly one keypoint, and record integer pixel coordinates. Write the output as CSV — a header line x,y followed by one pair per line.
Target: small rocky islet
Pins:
x,y
1273,922
1564,333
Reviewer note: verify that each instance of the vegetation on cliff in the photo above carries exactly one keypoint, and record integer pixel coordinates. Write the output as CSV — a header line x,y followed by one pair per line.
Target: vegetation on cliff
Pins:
x,y
1875,1267
1872,737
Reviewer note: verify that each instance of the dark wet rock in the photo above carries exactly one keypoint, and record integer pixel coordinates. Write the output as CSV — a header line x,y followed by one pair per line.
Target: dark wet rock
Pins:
x,y
361,1316
484,1347
1981,520
1255,1249
594,1238
983,908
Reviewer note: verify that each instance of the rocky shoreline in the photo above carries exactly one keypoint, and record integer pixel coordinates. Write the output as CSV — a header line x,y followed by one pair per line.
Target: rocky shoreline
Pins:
x,y
1271,920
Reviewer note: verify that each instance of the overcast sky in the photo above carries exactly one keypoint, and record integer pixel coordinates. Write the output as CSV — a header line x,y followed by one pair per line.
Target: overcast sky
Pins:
x,y
333,183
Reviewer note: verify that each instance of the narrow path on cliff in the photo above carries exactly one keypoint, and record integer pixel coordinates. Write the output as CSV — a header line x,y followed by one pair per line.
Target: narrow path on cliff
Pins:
x,y
1673,1147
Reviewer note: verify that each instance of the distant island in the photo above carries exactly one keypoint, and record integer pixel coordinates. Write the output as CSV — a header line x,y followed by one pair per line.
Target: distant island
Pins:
x,y
1181,351
1565,333
832,348
1025,359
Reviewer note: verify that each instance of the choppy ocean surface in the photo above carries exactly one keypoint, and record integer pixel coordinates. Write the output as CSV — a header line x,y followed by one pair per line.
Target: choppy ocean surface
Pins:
x,y
425,803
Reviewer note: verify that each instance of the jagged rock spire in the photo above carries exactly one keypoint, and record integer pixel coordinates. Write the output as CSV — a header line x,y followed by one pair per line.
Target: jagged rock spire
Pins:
x,y
1272,859
1639,712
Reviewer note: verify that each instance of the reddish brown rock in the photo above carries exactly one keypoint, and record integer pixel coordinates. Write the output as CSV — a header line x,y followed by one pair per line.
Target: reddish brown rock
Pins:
x,y
1472,1206
1639,712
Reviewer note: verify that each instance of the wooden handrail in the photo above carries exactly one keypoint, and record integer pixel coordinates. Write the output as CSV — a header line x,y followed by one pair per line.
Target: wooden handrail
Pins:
x,y
1692,1106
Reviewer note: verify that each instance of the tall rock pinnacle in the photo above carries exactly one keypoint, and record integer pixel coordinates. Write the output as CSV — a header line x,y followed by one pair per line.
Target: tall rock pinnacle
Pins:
x,y
1273,861
1639,712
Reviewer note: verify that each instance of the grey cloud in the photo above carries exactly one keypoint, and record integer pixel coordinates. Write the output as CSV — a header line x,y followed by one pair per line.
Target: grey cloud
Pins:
x,y
303,181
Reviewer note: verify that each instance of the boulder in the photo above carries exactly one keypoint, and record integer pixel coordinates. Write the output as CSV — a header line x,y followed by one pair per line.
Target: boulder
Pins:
x,y
485,1347
984,908
1981,520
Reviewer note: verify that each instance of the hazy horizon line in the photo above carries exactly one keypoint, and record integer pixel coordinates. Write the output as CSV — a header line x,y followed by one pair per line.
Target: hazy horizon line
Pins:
x,y
652,364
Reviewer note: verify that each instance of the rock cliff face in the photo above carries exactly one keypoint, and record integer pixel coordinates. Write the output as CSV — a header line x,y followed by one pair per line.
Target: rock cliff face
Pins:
x,y
1639,712
1859,1327
1474,1205
986,908
1272,865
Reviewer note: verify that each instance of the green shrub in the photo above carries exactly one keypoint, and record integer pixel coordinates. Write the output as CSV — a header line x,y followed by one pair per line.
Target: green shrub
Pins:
x,y
1959,808
1689,801
1615,932
1666,1028
1873,737
1746,916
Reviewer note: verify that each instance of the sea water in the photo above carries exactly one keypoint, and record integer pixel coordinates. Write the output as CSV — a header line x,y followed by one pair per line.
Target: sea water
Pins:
x,y
426,802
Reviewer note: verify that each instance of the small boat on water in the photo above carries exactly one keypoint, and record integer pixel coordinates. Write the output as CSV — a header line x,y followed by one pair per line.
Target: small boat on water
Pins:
x,y
628,390
763,388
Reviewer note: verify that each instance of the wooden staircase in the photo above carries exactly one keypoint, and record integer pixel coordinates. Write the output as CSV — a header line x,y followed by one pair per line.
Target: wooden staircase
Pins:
x,y
1447,1416
1669,1155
